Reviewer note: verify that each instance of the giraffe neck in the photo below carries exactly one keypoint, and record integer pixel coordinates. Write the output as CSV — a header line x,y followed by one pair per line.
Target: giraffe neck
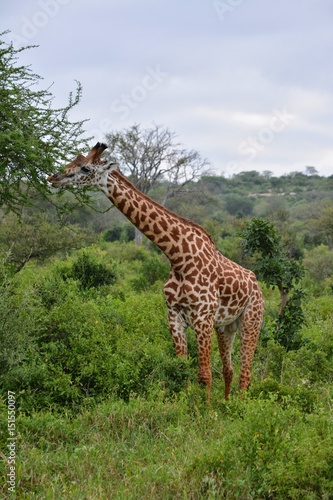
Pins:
x,y
170,232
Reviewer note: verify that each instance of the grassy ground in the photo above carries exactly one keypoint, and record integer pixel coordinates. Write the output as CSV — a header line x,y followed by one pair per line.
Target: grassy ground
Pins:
x,y
252,447
101,405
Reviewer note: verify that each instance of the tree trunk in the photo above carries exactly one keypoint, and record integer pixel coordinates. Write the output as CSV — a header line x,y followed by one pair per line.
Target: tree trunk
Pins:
x,y
284,296
138,237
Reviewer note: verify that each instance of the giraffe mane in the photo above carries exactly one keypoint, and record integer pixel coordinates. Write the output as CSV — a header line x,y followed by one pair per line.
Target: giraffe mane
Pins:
x,y
169,212
94,158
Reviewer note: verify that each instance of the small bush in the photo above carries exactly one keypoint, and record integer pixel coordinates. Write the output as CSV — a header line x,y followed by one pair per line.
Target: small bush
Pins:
x,y
289,324
120,232
319,263
90,272
113,234
154,268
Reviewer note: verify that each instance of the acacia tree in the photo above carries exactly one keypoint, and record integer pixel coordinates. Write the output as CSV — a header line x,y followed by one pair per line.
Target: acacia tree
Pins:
x,y
35,138
275,267
152,155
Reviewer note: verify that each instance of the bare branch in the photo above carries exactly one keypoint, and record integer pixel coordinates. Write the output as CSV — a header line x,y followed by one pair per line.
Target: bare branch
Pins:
x,y
152,155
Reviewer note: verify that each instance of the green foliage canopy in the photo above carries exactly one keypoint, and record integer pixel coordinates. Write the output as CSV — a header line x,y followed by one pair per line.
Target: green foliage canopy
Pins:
x,y
35,138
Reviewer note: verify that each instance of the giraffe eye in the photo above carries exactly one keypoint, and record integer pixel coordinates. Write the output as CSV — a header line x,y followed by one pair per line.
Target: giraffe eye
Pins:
x,y
85,169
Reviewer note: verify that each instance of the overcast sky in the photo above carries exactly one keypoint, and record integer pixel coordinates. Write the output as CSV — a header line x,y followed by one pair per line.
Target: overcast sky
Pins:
x,y
247,83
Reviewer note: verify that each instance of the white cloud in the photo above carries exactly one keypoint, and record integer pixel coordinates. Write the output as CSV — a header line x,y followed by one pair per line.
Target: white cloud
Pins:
x,y
224,80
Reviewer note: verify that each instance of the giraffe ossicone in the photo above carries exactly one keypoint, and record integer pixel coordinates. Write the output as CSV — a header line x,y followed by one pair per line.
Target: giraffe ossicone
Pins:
x,y
205,290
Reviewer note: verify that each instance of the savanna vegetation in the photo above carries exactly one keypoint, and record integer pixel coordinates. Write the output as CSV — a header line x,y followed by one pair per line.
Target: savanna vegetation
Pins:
x,y
103,407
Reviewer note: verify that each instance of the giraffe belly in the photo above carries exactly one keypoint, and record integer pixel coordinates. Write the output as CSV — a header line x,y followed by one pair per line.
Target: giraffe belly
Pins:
x,y
229,309
225,317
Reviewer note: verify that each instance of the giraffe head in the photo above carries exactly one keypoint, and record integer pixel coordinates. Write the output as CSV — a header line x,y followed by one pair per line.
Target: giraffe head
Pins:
x,y
84,170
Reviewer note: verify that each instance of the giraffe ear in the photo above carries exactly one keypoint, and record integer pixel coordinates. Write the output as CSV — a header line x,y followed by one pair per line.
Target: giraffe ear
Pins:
x,y
95,153
80,159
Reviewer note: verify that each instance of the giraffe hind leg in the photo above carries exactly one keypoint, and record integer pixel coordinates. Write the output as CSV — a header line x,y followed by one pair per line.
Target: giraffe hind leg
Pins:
x,y
225,340
249,334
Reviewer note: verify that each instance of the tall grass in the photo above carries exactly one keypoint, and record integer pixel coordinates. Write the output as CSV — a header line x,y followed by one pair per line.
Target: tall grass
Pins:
x,y
179,448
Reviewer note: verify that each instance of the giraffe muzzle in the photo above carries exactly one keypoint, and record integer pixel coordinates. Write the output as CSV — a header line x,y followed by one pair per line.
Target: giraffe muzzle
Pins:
x,y
55,180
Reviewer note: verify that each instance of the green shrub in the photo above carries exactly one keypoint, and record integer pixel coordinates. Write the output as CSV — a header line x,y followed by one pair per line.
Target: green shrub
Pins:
x,y
84,345
319,263
126,252
119,232
64,345
128,232
113,234
289,324
21,321
90,272
299,395
154,268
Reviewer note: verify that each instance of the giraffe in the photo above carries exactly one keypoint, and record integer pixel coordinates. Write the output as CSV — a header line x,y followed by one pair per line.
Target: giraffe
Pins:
x,y
205,290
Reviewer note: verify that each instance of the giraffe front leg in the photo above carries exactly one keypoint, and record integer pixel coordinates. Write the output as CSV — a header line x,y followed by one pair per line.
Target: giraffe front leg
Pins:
x,y
203,333
178,332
